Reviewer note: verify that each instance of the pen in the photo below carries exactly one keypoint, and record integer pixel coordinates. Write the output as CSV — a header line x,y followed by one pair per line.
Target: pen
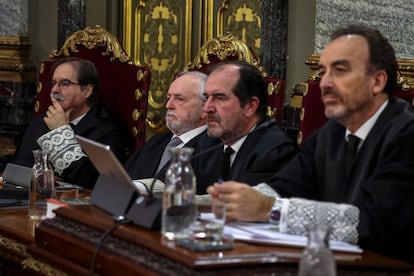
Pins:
x,y
269,257
220,180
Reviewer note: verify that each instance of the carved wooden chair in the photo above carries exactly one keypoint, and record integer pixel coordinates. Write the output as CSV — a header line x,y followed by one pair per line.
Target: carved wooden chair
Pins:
x,y
229,47
305,112
124,85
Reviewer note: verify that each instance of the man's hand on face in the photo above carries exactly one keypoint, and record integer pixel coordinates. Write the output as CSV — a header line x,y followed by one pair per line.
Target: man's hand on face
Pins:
x,y
56,116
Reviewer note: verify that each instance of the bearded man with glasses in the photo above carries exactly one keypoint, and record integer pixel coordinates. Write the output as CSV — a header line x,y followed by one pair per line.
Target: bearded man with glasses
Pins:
x,y
74,110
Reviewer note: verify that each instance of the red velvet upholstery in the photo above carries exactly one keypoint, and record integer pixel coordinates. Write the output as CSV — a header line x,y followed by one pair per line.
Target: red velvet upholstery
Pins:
x,y
229,47
407,95
124,86
305,112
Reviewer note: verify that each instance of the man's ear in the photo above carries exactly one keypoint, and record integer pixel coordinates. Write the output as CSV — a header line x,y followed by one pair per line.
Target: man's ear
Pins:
x,y
88,90
380,81
251,106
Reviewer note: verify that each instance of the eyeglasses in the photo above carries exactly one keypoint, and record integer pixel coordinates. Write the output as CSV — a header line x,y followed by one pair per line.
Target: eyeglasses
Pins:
x,y
63,83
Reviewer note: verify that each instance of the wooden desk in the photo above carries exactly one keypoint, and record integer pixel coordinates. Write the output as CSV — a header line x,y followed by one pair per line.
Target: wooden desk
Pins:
x,y
67,243
16,234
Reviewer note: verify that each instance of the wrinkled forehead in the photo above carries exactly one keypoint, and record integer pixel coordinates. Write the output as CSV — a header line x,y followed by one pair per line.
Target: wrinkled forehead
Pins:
x,y
185,85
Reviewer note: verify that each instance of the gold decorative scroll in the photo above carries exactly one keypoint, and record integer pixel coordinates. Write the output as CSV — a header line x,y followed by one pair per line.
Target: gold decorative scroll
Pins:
x,y
241,18
224,47
13,246
41,268
406,78
16,252
92,38
159,34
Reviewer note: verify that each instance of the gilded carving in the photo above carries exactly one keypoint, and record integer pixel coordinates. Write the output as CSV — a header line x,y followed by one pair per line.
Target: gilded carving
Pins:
x,y
224,47
163,34
39,87
142,75
138,94
160,49
36,107
406,70
13,246
18,253
92,38
136,114
241,18
134,131
41,268
271,112
273,88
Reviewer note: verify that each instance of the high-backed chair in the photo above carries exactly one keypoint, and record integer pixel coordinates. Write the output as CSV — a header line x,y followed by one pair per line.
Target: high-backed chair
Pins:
x,y
229,47
124,85
305,112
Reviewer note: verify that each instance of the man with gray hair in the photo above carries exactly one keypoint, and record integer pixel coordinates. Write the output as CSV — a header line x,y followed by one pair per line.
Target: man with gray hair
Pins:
x,y
185,120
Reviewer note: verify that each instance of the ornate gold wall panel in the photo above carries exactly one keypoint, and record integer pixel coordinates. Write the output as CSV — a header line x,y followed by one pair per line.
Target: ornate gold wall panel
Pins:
x,y
240,18
160,35
166,35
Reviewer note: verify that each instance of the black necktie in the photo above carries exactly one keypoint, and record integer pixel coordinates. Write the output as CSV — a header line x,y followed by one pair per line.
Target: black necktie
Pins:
x,y
351,151
226,163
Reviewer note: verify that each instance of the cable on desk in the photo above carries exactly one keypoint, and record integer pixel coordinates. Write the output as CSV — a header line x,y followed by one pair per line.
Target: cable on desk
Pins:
x,y
120,220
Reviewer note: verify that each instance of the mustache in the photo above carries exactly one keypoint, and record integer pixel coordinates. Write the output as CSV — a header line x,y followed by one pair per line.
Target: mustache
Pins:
x,y
170,113
328,91
58,97
213,117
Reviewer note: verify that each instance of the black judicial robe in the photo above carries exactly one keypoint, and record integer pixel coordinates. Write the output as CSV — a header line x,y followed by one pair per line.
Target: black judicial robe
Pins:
x,y
262,154
96,125
380,183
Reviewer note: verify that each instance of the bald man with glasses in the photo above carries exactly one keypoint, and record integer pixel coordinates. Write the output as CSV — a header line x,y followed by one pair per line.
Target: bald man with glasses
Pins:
x,y
74,91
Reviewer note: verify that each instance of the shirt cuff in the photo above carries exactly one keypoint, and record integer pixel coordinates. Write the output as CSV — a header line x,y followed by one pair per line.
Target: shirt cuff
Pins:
x,y
62,146
269,191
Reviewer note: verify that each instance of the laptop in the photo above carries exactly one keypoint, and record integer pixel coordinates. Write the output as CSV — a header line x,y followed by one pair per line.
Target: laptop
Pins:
x,y
114,190
17,175
16,183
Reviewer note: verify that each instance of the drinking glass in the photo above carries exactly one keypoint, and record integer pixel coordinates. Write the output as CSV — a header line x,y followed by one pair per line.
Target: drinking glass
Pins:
x,y
211,219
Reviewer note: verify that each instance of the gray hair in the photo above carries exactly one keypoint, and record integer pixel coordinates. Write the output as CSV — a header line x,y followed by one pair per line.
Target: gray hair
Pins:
x,y
202,76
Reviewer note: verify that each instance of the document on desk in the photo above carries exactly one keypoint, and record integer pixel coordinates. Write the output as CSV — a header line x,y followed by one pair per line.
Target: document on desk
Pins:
x,y
266,233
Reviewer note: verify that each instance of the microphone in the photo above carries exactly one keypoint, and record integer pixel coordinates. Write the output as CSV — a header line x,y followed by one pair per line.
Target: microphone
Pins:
x,y
146,209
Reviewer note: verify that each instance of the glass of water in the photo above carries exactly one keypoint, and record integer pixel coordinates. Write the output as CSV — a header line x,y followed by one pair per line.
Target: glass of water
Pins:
x,y
210,223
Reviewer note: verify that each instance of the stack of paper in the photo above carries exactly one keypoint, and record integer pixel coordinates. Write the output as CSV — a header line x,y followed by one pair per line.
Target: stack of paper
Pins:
x,y
266,233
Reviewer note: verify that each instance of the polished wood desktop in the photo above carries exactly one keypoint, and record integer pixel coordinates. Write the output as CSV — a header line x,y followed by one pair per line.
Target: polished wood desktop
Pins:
x,y
66,244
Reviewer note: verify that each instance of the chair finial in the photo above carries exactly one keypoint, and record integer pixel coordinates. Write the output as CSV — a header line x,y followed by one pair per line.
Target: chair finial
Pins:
x,y
92,38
